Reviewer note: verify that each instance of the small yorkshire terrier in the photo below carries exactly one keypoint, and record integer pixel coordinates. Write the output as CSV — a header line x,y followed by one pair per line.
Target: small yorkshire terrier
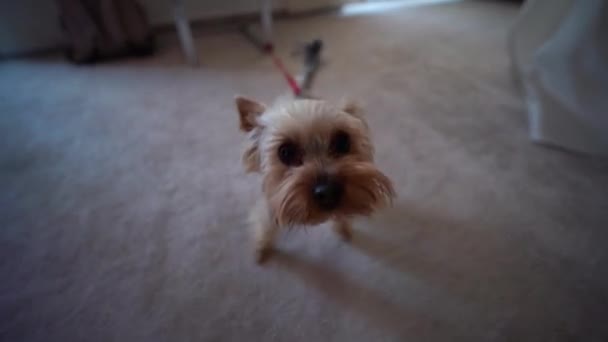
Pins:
x,y
316,160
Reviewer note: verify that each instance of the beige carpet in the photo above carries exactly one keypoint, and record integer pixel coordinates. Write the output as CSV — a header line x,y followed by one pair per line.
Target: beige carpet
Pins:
x,y
122,200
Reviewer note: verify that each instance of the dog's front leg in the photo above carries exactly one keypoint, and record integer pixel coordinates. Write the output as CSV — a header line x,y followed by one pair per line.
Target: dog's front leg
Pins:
x,y
265,230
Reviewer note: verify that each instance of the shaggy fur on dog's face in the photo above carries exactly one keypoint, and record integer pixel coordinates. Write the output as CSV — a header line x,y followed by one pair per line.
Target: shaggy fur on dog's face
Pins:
x,y
295,144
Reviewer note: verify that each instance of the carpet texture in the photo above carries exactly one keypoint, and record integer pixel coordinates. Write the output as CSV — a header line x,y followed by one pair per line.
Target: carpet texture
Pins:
x,y
123,201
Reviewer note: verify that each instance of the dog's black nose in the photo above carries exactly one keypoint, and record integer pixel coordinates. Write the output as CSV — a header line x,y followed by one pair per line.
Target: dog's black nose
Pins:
x,y
327,193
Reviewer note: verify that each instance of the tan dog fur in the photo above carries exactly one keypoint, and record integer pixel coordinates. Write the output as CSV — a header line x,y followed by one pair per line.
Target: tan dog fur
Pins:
x,y
309,129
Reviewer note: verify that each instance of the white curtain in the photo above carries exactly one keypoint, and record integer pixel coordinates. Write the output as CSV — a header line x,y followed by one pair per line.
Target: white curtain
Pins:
x,y
559,53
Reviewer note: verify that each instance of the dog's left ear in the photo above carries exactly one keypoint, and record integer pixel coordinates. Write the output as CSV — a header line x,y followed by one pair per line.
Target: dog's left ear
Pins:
x,y
249,111
351,107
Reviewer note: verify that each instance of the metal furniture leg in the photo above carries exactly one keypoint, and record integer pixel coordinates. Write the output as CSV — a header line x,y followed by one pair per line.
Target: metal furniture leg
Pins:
x,y
266,20
184,32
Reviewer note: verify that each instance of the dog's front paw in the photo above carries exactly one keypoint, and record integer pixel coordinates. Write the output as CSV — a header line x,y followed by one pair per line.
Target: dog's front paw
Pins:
x,y
344,230
263,254
346,235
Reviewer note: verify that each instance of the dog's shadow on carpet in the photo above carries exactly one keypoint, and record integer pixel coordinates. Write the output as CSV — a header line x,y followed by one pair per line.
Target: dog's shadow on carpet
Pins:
x,y
458,256
477,264
336,286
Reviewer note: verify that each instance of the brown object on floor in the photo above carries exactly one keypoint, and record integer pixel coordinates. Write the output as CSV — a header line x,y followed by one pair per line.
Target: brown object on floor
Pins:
x,y
100,29
123,203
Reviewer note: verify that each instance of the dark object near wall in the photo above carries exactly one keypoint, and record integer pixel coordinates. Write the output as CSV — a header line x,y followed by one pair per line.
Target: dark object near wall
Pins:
x,y
102,29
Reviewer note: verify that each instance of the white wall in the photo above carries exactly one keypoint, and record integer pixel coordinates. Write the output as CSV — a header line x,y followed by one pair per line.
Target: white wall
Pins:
x,y
29,25
160,10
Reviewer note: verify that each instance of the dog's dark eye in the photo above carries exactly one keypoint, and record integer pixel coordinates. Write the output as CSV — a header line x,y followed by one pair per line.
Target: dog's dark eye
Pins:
x,y
340,144
290,154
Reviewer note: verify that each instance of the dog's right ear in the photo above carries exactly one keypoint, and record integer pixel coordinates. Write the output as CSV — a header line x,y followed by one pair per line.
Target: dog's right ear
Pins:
x,y
249,111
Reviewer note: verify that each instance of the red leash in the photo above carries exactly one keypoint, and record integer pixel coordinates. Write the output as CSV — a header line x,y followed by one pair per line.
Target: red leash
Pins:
x,y
311,61
293,84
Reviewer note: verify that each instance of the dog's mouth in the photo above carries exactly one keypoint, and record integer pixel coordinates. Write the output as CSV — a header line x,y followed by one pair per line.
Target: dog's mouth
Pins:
x,y
354,189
